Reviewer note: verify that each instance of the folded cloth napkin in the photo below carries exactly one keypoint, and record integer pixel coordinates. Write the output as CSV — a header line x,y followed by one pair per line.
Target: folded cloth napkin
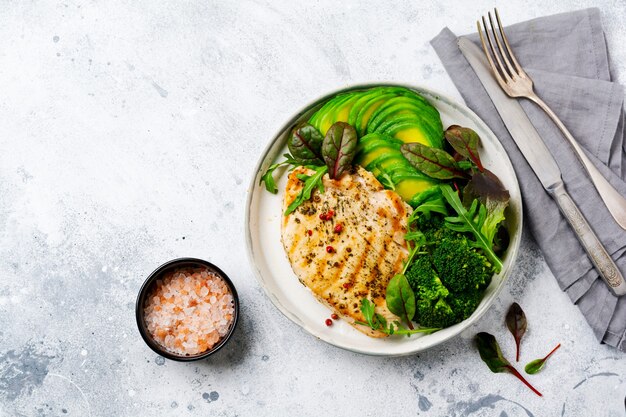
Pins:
x,y
566,56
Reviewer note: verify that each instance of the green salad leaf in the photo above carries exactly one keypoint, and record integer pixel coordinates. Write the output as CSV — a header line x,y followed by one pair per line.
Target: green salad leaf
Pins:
x,y
537,365
434,162
491,354
305,144
311,183
339,148
376,321
268,177
471,221
516,323
465,142
401,298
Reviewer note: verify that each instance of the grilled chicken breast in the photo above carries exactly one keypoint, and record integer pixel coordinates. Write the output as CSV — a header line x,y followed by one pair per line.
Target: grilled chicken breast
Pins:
x,y
347,243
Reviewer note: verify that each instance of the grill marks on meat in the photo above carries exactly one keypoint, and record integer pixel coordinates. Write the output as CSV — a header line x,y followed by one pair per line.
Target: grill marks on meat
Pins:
x,y
367,253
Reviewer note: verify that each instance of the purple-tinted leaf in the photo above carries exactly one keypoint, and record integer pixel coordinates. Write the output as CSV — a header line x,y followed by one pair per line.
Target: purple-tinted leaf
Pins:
x,y
516,322
434,162
339,148
491,354
465,141
305,144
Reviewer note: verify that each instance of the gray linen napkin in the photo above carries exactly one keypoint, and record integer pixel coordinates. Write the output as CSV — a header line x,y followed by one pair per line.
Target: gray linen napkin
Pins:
x,y
566,55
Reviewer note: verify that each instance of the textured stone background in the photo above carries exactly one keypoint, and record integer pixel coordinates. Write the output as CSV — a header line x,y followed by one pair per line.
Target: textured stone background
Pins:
x,y
128,134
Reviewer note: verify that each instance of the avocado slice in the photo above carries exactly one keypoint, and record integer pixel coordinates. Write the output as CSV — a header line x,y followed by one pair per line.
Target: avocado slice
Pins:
x,y
373,140
405,106
411,128
410,189
366,111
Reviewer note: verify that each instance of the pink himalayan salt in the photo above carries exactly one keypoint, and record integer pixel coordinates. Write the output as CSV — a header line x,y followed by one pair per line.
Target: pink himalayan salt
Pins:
x,y
189,310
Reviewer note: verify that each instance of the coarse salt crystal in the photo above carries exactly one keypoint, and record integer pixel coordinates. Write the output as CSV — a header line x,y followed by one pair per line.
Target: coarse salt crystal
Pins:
x,y
184,322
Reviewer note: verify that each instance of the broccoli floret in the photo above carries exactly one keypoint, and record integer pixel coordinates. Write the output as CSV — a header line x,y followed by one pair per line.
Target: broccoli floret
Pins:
x,y
465,304
431,308
431,313
461,267
449,278
424,280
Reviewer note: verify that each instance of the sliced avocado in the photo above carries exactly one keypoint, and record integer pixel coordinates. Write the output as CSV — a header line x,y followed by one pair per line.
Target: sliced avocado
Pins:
x,y
404,106
366,111
388,161
323,118
373,140
411,128
410,189
342,110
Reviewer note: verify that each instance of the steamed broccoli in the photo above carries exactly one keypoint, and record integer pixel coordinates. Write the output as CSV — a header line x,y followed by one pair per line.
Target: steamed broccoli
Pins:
x,y
461,267
424,280
448,277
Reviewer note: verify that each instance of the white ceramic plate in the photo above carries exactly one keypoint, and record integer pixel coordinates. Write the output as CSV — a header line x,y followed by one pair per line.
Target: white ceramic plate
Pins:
x,y
272,268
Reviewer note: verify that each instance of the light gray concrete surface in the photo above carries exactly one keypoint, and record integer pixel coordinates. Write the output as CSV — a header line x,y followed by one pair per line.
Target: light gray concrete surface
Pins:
x,y
128,134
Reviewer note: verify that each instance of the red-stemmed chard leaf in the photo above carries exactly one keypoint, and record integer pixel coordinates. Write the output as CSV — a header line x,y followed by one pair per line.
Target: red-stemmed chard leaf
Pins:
x,y
465,141
491,354
434,162
339,148
305,144
485,185
537,365
516,322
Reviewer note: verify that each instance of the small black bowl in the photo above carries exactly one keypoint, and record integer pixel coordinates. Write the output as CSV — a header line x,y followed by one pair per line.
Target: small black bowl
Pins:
x,y
147,287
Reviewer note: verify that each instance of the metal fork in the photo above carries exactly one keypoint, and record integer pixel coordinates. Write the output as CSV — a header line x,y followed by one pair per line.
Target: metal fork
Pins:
x,y
516,83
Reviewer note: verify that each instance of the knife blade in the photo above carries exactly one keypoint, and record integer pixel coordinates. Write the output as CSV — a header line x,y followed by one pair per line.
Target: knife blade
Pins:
x,y
543,165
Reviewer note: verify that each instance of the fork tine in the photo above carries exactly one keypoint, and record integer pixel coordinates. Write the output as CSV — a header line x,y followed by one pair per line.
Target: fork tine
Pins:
x,y
516,65
493,66
497,63
507,64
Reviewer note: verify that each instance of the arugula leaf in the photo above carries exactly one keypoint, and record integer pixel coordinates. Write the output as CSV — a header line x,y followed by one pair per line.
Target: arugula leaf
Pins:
x,y
385,179
311,182
339,148
268,177
377,322
470,221
305,144
434,162
436,205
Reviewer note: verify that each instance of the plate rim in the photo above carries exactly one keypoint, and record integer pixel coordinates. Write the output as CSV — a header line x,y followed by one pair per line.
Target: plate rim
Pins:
x,y
253,183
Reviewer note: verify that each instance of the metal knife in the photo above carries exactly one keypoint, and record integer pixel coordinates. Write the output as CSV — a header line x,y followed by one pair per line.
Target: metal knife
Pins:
x,y
543,164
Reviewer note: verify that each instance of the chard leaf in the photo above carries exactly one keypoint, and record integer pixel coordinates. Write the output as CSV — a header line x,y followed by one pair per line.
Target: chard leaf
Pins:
x,y
305,144
465,141
516,322
470,221
339,148
401,298
486,185
435,163
491,354
311,183
537,365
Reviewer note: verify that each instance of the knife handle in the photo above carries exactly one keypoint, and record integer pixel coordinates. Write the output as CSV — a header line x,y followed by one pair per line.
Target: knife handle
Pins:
x,y
597,253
